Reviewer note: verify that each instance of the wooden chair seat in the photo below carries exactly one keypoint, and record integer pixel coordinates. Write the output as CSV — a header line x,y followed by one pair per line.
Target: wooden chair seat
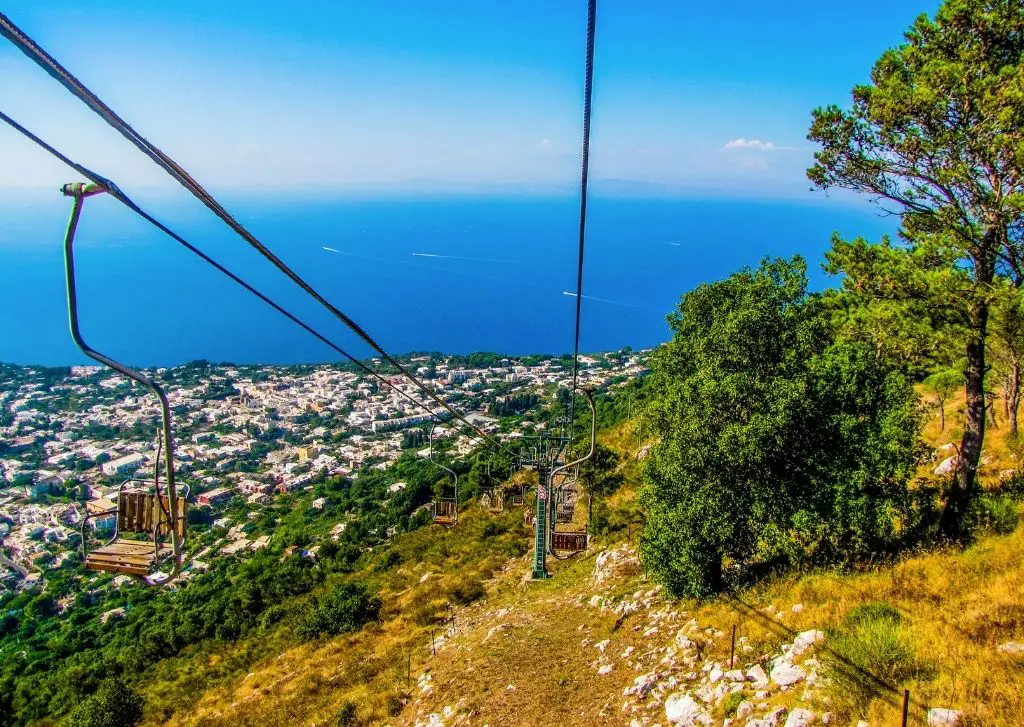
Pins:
x,y
132,557
445,511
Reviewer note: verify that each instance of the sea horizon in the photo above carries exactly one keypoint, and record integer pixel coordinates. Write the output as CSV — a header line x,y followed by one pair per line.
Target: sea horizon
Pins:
x,y
452,273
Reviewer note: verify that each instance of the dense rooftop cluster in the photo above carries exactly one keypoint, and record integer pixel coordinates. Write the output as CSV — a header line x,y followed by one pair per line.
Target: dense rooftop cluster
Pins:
x,y
246,438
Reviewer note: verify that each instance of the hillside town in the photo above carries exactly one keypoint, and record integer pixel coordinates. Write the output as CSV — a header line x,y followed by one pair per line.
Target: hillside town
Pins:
x,y
245,435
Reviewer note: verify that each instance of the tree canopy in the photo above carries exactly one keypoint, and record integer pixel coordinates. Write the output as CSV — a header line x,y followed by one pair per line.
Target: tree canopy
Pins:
x,y
937,137
775,440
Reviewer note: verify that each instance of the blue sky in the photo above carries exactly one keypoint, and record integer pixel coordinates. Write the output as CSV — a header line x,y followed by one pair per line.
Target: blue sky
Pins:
x,y
712,96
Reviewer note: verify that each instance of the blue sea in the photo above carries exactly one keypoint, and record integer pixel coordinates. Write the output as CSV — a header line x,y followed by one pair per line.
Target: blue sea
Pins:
x,y
429,273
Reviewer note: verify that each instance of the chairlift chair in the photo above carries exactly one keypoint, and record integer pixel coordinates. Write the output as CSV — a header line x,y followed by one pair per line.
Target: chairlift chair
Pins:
x,y
496,500
138,513
565,543
446,509
157,514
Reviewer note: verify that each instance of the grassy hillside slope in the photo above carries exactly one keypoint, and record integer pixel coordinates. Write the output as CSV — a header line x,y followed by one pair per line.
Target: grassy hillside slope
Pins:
x,y
465,638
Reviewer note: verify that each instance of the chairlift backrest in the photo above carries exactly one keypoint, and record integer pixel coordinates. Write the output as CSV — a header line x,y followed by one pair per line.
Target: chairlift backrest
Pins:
x,y
139,512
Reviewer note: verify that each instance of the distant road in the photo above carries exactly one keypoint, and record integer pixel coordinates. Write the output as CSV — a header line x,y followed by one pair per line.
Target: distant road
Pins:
x,y
11,564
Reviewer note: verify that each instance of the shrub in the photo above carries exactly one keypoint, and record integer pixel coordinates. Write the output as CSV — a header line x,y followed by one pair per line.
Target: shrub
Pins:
x,y
345,608
466,590
875,650
998,513
272,616
348,715
731,703
113,705
395,705
875,611
493,528
390,560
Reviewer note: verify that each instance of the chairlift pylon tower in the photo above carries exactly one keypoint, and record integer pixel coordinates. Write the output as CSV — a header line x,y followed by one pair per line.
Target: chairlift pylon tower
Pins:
x,y
544,459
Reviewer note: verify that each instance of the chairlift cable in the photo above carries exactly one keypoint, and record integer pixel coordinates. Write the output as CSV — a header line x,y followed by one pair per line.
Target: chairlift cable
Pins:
x,y
49,64
114,191
588,93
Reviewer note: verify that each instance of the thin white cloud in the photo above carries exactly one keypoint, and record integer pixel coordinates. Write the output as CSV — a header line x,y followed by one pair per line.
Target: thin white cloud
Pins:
x,y
755,144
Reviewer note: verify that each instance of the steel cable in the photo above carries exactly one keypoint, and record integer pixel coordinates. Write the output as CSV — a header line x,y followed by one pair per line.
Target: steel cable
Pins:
x,y
588,92
114,191
43,59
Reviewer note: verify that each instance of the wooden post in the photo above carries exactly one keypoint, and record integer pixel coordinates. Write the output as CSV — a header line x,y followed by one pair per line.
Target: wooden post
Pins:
x,y
906,706
433,651
732,648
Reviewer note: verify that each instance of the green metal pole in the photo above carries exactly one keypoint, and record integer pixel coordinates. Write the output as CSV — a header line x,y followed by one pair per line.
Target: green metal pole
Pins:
x,y
540,570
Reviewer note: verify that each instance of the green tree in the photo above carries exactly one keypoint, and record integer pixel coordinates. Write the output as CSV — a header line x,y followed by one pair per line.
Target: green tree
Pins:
x,y
345,608
599,475
936,136
942,385
1007,347
773,439
113,705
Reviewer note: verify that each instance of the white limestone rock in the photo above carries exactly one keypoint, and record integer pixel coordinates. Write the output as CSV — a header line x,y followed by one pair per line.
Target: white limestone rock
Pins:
x,y
642,686
785,673
805,640
744,709
756,675
1013,648
706,695
941,717
681,710
493,630
604,669
800,718
945,466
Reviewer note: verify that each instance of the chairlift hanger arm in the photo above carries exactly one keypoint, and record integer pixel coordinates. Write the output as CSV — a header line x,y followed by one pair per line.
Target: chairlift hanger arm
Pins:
x,y
593,437
430,456
79,192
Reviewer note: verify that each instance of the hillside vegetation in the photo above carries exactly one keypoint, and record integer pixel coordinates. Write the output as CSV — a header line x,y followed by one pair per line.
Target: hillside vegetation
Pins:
x,y
510,651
